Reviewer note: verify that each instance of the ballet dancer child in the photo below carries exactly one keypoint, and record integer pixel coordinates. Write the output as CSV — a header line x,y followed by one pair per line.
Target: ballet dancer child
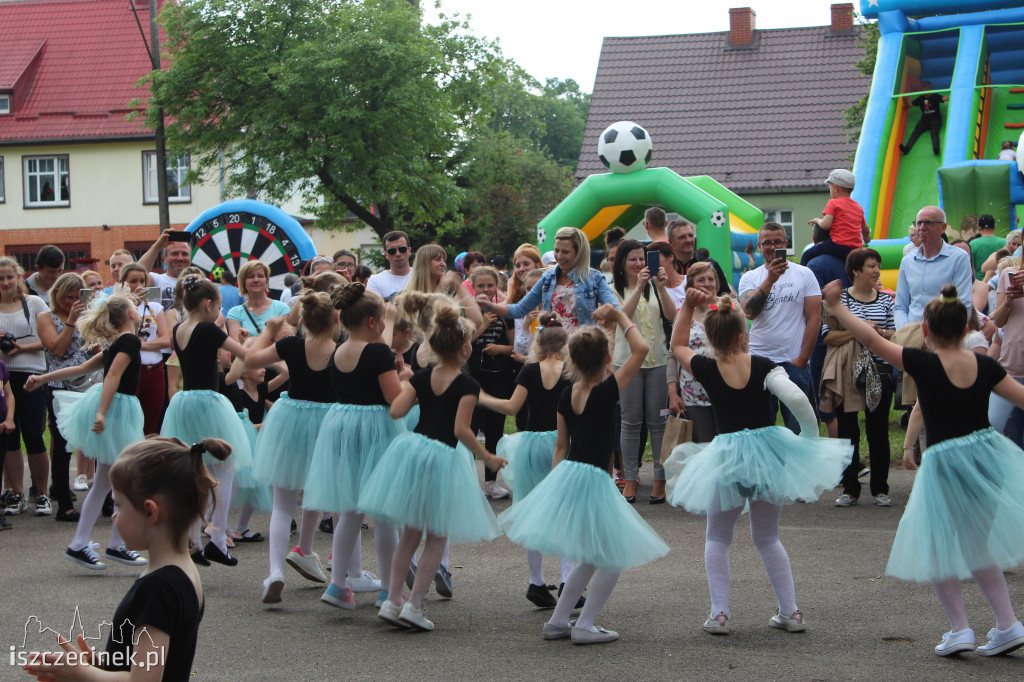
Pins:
x,y
576,511
160,490
106,419
529,452
421,483
199,411
750,461
284,448
965,517
354,435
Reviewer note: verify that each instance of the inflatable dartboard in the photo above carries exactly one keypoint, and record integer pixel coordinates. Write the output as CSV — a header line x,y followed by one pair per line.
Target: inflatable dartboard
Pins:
x,y
234,232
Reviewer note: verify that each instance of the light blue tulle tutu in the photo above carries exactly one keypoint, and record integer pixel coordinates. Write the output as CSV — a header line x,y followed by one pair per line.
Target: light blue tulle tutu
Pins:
x,y
965,512
529,455
352,440
249,491
284,448
424,484
576,512
122,424
412,419
770,463
194,415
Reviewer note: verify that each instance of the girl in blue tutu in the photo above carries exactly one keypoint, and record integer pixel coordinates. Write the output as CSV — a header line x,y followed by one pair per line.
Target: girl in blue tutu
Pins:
x,y
752,461
284,448
106,419
576,511
199,410
529,452
965,516
421,483
354,435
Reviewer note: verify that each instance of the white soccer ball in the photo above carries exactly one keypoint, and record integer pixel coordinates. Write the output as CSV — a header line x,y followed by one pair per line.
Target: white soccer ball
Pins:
x,y
542,236
718,219
624,147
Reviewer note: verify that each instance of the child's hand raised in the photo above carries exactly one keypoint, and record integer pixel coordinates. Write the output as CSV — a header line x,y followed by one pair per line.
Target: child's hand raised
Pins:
x,y
606,315
74,663
495,463
832,293
695,298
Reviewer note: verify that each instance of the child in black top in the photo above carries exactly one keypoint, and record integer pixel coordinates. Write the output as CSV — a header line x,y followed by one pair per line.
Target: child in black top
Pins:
x,y
160,488
576,511
964,517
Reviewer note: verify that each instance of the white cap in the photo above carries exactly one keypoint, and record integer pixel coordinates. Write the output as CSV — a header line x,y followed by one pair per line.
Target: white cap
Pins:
x,y
841,178
548,258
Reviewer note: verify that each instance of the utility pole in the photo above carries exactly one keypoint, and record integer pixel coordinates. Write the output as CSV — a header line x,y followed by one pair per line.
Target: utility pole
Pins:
x,y
161,148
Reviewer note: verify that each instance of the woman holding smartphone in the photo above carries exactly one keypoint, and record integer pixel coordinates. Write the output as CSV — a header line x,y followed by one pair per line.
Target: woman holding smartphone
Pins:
x,y
1009,316
645,398
155,334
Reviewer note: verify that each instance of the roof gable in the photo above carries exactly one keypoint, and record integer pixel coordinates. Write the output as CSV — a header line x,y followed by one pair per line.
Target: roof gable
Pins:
x,y
89,53
763,119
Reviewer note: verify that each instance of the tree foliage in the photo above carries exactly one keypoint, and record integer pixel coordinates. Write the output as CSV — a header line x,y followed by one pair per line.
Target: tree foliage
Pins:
x,y
868,41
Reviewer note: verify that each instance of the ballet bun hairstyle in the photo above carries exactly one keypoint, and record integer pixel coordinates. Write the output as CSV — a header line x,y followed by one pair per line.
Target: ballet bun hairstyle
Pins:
x,y
723,323
418,307
550,339
317,313
946,316
588,351
103,319
449,332
168,470
323,281
356,304
195,290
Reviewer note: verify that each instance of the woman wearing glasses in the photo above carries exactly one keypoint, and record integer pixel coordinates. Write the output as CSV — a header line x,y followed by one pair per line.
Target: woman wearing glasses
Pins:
x,y
345,263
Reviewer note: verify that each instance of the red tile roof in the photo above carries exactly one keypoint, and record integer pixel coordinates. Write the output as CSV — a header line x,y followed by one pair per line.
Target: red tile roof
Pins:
x,y
764,119
91,55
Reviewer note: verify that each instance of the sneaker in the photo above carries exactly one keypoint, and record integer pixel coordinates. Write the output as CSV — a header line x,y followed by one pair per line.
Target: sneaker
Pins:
x,y
86,556
956,642
307,566
864,472
410,615
845,500
43,507
717,625
1003,641
342,599
15,504
495,491
443,582
883,500
367,582
540,595
81,482
125,556
557,631
596,636
272,589
794,623
391,612
410,576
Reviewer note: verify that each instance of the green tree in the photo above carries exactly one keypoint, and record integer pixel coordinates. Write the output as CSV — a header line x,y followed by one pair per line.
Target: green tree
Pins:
x,y
355,105
868,41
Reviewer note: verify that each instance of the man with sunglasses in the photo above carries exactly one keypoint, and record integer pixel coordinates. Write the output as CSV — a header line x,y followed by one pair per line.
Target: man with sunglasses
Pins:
x,y
923,272
391,281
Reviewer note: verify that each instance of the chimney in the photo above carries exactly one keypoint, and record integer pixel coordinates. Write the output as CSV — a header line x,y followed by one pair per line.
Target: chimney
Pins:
x,y
842,18
741,26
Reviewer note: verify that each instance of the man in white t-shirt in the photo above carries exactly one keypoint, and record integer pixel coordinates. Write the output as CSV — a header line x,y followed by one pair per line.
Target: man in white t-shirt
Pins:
x,y
784,301
391,281
177,257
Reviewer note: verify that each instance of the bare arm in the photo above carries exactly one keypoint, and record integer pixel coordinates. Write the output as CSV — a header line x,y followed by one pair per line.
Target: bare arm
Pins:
x,y
262,352
148,259
467,436
824,222
163,335
74,662
91,365
403,402
861,330
561,442
812,313
914,425
508,406
608,314
110,384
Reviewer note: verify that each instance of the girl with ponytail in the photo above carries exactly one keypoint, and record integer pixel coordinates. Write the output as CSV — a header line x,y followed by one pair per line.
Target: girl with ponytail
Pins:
x,y
161,487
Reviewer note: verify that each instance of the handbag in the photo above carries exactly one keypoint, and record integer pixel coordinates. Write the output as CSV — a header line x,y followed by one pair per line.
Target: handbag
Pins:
x,y
677,432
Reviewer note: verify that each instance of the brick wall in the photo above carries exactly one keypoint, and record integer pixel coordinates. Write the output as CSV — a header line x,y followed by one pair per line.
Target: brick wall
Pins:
x,y
741,25
102,242
842,17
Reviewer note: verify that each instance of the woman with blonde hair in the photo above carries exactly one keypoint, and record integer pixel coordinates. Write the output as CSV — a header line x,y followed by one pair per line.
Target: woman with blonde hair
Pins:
x,y
257,306
429,277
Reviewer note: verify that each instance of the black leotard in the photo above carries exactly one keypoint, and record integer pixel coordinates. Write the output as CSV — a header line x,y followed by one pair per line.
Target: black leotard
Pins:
x,y
256,408
541,403
361,386
736,408
437,412
130,345
304,383
198,358
592,432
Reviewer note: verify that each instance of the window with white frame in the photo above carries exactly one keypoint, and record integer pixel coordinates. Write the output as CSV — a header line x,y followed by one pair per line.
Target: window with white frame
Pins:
x,y
177,168
46,181
5,105
784,217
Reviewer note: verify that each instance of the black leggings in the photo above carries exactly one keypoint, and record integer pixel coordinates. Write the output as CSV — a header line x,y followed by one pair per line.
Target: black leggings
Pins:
x,y
500,385
29,416
876,424
60,459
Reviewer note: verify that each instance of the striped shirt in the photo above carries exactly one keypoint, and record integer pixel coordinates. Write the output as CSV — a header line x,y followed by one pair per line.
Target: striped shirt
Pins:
x,y
879,311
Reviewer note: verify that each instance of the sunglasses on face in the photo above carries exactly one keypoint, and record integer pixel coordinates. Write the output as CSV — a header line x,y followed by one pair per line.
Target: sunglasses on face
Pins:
x,y
397,249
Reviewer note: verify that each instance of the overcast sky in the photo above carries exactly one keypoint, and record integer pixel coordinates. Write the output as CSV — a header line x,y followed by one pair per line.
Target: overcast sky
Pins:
x,y
562,38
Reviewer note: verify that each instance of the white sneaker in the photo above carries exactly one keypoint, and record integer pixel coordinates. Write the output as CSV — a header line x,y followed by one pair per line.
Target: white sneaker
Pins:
x,y
272,589
956,642
81,482
410,615
794,623
883,500
845,500
367,582
495,491
43,507
390,612
1003,641
596,636
308,566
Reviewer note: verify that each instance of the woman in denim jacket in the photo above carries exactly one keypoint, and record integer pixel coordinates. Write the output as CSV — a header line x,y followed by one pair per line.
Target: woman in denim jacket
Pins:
x,y
572,290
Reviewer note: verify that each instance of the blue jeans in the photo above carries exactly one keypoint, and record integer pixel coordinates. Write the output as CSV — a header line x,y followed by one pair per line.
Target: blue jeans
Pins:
x,y
801,376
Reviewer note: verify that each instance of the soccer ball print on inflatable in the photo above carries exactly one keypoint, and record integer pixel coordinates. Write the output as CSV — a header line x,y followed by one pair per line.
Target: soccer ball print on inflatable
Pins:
x,y
624,147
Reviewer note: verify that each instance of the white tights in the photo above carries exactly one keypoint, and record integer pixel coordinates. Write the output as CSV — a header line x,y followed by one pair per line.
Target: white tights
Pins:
x,y
600,589
430,559
285,501
91,509
535,560
764,531
345,546
992,583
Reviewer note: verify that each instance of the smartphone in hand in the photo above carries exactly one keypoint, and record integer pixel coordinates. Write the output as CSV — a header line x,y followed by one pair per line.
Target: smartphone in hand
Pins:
x,y
781,253
653,263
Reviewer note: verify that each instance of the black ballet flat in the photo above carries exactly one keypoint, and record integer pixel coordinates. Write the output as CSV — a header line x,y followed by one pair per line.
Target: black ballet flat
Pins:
x,y
631,499
198,559
213,553
655,500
